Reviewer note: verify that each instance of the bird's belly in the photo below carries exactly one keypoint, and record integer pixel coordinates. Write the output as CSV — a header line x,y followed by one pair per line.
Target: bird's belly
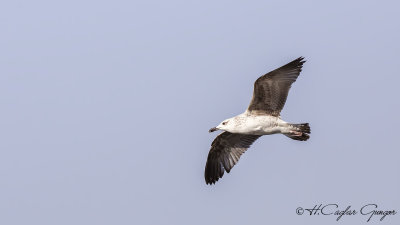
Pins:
x,y
262,126
260,130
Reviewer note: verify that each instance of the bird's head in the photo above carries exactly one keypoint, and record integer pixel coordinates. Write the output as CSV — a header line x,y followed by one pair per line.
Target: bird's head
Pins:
x,y
224,125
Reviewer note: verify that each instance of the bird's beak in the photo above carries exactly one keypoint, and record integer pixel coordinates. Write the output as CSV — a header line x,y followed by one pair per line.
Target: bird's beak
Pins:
x,y
213,129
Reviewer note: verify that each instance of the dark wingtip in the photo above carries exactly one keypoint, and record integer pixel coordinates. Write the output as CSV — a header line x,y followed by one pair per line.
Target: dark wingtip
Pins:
x,y
210,180
213,171
297,63
301,60
211,177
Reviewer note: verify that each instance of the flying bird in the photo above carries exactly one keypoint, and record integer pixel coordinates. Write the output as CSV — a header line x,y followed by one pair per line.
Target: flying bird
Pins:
x,y
262,117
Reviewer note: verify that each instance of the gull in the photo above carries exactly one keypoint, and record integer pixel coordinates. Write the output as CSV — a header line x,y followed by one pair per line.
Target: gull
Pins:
x,y
262,117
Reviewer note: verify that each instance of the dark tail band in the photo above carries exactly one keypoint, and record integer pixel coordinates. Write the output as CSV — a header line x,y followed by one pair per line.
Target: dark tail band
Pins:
x,y
300,132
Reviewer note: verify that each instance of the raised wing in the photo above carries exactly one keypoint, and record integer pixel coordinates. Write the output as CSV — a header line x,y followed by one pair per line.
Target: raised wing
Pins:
x,y
271,89
225,152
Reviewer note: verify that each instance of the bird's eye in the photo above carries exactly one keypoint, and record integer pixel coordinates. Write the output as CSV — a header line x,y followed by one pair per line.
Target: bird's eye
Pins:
x,y
224,123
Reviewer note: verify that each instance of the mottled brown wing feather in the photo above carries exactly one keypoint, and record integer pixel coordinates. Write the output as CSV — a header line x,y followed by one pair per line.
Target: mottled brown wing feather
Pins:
x,y
271,90
225,152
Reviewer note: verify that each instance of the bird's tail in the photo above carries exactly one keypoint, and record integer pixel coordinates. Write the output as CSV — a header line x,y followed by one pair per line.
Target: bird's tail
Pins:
x,y
299,132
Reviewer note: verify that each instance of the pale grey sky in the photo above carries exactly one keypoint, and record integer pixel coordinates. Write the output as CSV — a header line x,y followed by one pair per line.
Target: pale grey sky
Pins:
x,y
106,106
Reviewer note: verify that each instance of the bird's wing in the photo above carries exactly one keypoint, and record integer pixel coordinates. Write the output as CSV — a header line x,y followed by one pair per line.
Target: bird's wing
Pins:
x,y
271,89
225,152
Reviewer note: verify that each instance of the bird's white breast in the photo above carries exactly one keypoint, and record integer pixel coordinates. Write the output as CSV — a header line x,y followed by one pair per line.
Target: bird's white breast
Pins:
x,y
258,124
